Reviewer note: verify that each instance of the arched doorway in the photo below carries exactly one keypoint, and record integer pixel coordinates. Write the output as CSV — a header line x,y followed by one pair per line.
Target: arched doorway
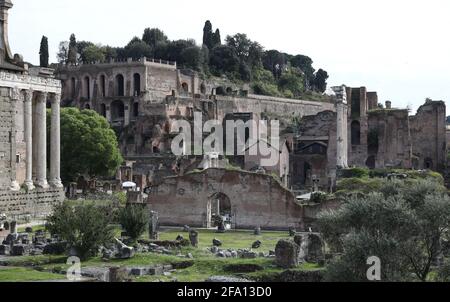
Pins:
x,y
219,204
120,85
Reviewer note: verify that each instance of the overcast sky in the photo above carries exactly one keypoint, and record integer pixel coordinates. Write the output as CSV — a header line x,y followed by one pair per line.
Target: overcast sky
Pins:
x,y
401,49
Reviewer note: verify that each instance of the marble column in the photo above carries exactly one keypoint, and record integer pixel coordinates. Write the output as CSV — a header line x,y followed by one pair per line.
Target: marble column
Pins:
x,y
15,96
41,129
55,143
28,112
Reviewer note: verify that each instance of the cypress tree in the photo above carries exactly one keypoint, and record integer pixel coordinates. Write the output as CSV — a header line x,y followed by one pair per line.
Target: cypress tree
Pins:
x,y
43,52
208,35
217,40
72,56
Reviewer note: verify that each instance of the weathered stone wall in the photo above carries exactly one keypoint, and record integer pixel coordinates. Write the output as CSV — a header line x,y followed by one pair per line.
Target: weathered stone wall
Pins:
x,y
37,203
391,127
428,133
256,200
6,136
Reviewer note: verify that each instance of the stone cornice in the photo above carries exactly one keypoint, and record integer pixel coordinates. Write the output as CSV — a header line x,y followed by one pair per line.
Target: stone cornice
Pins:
x,y
26,82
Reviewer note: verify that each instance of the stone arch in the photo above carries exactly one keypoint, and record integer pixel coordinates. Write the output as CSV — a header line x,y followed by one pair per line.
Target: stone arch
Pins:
x,y
356,133
120,85
117,110
137,84
87,106
185,87
229,90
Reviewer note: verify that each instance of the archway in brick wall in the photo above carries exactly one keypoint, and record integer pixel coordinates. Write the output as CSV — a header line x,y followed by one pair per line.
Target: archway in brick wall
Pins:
x,y
218,204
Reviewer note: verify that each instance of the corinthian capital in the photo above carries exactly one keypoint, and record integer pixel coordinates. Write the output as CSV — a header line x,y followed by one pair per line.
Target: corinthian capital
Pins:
x,y
42,97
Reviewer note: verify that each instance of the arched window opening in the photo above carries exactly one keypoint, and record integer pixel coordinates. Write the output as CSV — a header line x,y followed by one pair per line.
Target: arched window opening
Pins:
x,y
185,87
203,88
102,85
120,85
356,133
137,84
229,90
87,107
87,87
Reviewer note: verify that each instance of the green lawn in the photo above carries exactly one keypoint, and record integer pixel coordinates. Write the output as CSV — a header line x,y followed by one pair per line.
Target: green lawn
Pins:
x,y
20,274
231,239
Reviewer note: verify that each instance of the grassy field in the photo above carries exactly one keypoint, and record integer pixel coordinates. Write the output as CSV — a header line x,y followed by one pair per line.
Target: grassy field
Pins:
x,y
21,274
203,266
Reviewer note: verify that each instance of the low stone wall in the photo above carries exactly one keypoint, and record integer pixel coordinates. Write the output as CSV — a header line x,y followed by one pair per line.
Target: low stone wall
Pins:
x,y
37,203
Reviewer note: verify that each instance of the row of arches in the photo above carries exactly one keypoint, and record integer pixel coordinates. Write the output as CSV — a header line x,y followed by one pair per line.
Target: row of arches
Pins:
x,y
118,110
119,86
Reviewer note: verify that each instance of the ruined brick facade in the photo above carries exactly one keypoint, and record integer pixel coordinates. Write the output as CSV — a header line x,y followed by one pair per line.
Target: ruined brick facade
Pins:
x,y
250,199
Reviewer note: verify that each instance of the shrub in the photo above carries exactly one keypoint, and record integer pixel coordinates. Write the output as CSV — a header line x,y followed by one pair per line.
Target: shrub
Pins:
x,y
84,228
134,220
318,197
364,185
355,173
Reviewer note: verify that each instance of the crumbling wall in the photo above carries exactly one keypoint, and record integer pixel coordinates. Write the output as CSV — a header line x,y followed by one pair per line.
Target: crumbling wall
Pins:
x,y
256,200
389,141
428,133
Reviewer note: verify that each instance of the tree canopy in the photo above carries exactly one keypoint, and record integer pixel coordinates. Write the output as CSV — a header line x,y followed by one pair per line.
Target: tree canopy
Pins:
x,y
402,225
88,145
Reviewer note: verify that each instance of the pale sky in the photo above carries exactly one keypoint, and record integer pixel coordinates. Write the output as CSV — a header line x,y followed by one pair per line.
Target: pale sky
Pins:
x,y
401,49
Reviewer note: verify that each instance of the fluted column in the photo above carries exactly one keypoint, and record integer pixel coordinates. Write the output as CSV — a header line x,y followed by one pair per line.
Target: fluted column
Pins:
x,y
28,112
15,96
55,143
41,129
